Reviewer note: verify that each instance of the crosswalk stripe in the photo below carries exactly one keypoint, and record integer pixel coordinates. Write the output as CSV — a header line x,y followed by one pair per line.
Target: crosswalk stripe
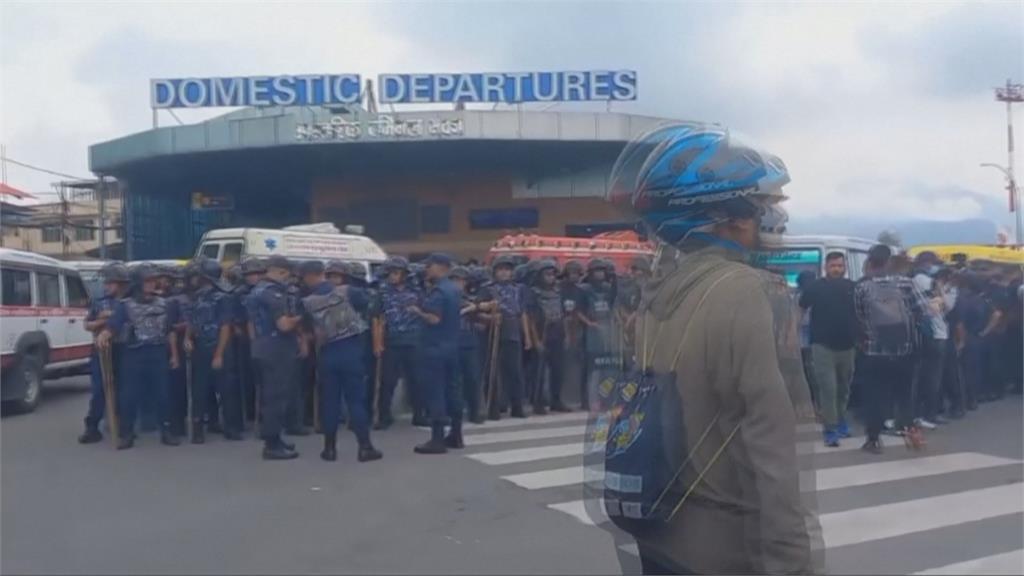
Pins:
x,y
528,454
531,454
876,472
1005,563
531,421
896,519
825,479
520,435
578,510
547,478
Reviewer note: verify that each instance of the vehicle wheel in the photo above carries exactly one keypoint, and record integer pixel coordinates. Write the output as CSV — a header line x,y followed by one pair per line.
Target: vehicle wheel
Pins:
x,y
30,371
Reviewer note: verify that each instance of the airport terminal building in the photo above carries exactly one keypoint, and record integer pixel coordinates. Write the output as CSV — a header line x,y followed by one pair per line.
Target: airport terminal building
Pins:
x,y
452,180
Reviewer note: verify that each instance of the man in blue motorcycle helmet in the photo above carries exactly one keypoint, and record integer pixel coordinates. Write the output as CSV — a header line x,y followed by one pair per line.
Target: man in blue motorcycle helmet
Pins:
x,y
722,337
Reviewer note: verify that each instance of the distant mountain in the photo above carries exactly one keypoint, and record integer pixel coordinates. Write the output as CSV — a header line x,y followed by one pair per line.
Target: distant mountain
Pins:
x,y
912,232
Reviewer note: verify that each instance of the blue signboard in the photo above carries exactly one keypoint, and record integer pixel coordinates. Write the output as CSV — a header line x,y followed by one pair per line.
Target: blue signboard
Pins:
x,y
302,90
507,87
336,89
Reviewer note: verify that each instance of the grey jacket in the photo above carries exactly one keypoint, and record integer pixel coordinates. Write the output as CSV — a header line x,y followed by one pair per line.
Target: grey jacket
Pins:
x,y
730,334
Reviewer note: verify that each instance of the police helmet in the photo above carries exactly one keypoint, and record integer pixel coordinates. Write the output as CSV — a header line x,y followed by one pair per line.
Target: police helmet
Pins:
x,y
396,263
278,261
354,270
114,272
253,265
573,266
210,270
146,271
504,260
308,267
546,264
599,264
336,267
459,272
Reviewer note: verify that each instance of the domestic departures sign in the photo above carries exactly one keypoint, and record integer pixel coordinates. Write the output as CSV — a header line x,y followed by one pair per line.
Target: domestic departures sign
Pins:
x,y
333,89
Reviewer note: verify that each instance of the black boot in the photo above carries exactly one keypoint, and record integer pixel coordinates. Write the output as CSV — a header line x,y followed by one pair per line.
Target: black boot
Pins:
x,y
330,451
298,431
436,444
384,423
126,443
368,453
198,434
91,435
168,439
517,412
539,410
454,440
213,427
276,450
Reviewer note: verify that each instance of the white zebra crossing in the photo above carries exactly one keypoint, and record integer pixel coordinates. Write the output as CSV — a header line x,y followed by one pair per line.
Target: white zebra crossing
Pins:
x,y
841,528
520,455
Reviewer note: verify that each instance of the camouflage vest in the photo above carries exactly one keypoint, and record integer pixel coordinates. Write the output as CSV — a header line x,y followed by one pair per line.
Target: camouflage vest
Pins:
x,y
147,322
334,317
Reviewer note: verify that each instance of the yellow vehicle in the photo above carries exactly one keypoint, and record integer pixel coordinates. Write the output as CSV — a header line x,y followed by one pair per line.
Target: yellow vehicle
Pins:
x,y
968,252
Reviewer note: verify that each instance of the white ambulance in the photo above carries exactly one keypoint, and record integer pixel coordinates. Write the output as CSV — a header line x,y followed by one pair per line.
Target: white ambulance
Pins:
x,y
43,304
307,242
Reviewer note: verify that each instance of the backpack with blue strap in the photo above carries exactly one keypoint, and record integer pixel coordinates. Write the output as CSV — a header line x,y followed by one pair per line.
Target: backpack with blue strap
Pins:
x,y
640,437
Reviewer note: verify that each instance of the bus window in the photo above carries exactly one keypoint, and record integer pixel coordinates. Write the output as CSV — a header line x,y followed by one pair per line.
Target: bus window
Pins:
x,y
855,264
790,262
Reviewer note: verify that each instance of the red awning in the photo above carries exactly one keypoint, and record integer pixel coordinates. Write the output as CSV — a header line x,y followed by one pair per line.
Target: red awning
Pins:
x,y
6,190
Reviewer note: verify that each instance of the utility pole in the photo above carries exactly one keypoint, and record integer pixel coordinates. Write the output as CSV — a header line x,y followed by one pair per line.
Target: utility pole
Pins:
x,y
1011,94
101,190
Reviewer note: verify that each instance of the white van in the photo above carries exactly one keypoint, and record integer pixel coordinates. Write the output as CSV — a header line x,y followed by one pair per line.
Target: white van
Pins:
x,y
43,304
800,253
312,242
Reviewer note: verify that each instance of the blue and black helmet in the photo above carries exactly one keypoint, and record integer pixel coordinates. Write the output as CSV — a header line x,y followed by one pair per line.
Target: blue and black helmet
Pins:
x,y
684,176
114,272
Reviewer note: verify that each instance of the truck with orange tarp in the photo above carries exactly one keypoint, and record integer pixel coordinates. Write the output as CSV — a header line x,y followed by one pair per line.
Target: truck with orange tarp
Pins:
x,y
618,247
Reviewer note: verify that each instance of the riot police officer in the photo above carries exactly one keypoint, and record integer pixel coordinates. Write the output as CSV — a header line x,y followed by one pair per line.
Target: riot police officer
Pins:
x,y
469,342
148,356
208,340
401,342
335,315
275,348
441,394
628,293
597,315
179,296
115,287
336,272
513,336
252,272
548,323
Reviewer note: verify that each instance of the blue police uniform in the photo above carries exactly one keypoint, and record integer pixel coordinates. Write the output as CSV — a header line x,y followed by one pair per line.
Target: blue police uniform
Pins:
x,y
242,365
548,316
145,367
599,347
275,354
97,399
401,340
212,310
469,359
178,388
510,298
441,355
336,316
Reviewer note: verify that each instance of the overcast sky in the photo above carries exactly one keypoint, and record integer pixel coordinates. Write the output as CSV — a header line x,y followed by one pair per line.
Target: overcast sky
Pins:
x,y
881,109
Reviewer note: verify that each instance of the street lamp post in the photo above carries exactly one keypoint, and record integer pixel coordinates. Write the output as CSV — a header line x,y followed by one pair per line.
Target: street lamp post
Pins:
x,y
1011,94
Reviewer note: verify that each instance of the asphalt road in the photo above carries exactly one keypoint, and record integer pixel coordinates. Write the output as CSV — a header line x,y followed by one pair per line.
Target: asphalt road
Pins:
x,y
508,504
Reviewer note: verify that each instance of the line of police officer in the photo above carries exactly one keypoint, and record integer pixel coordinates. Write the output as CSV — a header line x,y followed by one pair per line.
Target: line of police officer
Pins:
x,y
197,353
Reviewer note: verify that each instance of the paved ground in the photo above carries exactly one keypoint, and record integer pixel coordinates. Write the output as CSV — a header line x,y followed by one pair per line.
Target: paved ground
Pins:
x,y
511,503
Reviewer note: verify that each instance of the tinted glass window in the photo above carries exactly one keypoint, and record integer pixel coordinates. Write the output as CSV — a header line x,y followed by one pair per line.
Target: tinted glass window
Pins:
x,y
78,297
49,289
210,250
17,287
